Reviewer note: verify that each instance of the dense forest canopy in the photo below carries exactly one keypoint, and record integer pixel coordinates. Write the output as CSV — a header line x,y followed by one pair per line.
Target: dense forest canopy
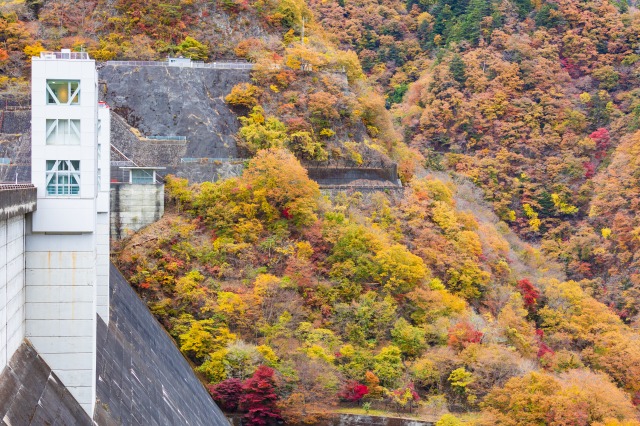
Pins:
x,y
505,275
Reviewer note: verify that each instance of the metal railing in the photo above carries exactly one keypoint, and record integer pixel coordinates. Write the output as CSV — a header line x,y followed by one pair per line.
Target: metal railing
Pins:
x,y
347,164
193,64
166,138
13,186
361,187
208,160
64,55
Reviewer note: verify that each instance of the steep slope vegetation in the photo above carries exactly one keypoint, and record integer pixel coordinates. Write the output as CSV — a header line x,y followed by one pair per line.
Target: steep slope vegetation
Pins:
x,y
530,100
390,302
290,303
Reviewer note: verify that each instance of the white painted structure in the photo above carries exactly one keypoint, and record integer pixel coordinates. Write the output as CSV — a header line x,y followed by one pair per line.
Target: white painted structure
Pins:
x,y
16,202
12,324
103,207
67,238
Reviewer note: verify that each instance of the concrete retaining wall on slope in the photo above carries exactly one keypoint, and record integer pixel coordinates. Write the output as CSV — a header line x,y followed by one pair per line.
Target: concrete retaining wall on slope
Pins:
x,y
346,175
17,149
142,151
351,420
210,172
16,121
15,203
362,420
134,206
143,379
171,101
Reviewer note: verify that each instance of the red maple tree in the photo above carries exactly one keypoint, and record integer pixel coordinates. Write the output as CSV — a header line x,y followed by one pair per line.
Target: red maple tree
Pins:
x,y
530,293
353,391
227,394
259,398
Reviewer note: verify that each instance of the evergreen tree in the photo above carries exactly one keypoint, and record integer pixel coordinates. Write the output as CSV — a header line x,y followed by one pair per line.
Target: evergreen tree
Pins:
x,y
457,69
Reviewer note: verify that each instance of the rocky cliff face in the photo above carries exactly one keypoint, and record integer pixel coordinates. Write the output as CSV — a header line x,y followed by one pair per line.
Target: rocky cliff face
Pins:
x,y
168,101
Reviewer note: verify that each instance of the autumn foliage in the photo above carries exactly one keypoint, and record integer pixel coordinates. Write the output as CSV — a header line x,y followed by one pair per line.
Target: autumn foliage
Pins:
x,y
510,122
259,398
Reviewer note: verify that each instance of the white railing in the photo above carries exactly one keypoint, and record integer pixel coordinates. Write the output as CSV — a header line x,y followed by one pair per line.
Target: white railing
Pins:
x,y
166,138
193,64
64,55
209,160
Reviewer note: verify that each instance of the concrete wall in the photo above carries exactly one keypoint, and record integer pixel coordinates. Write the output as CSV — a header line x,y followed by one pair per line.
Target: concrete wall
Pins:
x,y
172,101
12,324
134,207
32,395
15,203
349,175
61,308
145,152
209,172
16,122
102,215
143,379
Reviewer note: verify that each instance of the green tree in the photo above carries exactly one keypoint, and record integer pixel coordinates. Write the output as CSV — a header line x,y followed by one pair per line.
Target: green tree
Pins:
x,y
457,69
411,340
192,48
387,365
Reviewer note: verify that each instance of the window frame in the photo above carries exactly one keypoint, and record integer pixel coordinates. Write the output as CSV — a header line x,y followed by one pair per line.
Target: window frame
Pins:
x,y
74,125
60,176
71,95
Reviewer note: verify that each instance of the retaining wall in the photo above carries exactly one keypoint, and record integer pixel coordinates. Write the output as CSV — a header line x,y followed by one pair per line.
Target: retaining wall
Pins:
x,y
134,207
347,175
173,101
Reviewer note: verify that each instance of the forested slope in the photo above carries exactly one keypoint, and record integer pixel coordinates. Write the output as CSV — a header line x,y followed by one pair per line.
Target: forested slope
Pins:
x,y
431,301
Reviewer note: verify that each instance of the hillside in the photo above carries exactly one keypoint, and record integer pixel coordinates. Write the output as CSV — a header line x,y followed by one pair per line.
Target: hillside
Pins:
x,y
504,275
375,299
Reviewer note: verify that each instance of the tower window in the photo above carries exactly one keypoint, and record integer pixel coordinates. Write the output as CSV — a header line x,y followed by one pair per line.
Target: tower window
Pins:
x,y
63,177
63,132
63,92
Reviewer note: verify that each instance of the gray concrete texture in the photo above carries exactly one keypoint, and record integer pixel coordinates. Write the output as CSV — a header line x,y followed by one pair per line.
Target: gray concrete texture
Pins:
x,y
15,122
144,152
134,206
31,394
17,148
172,101
347,176
16,200
143,379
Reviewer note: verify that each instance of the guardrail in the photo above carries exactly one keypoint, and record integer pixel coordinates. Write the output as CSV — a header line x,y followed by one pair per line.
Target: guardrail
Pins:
x,y
208,65
372,187
166,138
208,160
340,164
13,186
64,55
